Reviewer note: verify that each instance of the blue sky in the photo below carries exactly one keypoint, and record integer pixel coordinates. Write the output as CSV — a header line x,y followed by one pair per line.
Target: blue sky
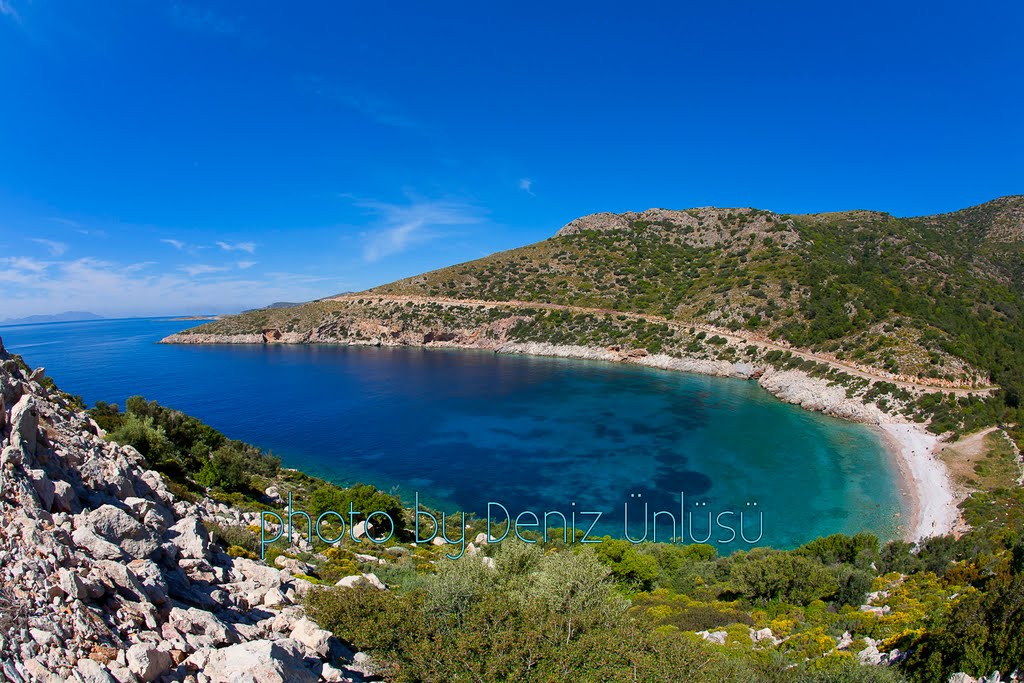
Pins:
x,y
181,157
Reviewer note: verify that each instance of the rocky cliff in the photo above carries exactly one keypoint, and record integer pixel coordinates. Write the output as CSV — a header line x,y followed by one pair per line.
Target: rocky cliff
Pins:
x,y
108,576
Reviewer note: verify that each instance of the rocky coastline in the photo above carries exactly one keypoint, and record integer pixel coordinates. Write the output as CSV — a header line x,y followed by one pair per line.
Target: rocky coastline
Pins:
x,y
106,576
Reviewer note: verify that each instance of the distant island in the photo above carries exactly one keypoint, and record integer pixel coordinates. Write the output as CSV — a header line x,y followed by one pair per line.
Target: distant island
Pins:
x,y
65,317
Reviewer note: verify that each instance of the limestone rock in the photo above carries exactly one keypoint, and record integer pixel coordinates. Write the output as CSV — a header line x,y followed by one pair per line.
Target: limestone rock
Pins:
x,y
870,655
118,527
359,579
90,671
190,537
315,639
147,662
718,637
25,425
259,661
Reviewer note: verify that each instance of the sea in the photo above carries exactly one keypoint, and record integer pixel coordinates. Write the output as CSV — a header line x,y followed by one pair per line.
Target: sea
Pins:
x,y
612,449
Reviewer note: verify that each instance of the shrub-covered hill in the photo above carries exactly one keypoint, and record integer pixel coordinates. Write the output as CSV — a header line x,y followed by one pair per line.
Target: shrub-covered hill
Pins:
x,y
914,296
878,305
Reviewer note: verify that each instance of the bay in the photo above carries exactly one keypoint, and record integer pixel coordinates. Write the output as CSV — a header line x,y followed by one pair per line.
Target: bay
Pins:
x,y
463,428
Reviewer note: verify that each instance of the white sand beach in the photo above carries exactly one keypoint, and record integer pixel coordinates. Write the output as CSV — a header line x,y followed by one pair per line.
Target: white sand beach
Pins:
x,y
933,502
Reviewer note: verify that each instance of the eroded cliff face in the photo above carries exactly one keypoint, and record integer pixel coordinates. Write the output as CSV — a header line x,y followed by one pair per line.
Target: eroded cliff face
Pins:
x,y
105,575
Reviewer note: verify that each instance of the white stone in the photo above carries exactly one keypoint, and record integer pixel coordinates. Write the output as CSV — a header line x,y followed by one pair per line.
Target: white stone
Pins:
x,y
147,662
259,661
315,639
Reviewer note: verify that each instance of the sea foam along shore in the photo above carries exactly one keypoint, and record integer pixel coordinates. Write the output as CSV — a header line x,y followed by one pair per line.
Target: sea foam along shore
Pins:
x,y
928,493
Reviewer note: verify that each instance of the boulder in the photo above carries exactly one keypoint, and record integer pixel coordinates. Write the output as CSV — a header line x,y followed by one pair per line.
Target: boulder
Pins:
x,y
151,577
117,526
71,583
261,574
25,425
718,637
99,548
273,494
147,662
274,598
870,655
43,486
360,579
190,537
90,671
120,577
64,497
361,529
291,564
315,639
259,661
368,559
196,622
11,457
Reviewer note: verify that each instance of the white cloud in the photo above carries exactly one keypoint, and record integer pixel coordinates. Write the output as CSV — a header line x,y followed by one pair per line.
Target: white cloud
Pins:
x,y
55,248
202,269
245,265
238,246
526,185
401,226
107,288
177,244
23,263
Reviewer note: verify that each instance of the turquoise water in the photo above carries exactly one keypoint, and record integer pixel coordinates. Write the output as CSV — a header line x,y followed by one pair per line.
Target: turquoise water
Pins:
x,y
464,428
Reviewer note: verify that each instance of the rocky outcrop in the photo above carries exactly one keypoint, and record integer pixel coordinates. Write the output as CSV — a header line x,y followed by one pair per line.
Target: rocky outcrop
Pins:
x,y
106,576
701,227
797,387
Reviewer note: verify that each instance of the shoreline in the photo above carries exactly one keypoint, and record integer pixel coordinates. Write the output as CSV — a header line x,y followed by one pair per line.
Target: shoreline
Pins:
x,y
925,482
925,486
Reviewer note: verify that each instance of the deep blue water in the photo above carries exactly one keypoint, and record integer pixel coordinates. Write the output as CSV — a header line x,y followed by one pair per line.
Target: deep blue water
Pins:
x,y
467,427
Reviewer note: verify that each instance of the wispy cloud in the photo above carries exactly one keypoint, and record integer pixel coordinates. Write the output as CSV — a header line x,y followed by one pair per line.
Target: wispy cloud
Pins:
x,y
401,226
245,265
23,263
201,20
177,244
374,107
8,10
63,221
526,185
55,248
248,247
203,269
110,288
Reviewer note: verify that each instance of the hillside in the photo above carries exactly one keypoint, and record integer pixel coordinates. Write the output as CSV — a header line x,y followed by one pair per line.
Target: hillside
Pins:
x,y
919,303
